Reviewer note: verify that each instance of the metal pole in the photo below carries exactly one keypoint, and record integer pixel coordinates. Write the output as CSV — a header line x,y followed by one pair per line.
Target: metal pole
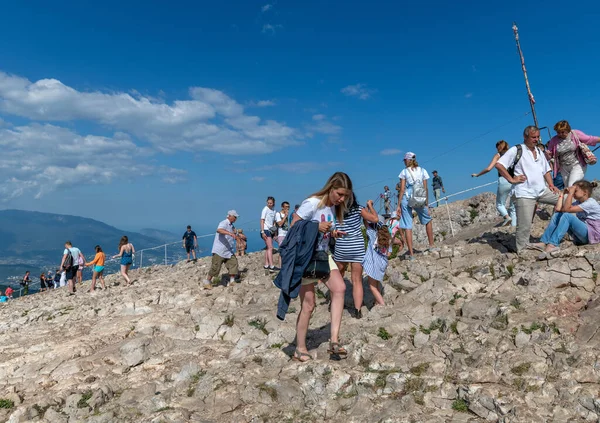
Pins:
x,y
141,258
449,220
529,94
165,254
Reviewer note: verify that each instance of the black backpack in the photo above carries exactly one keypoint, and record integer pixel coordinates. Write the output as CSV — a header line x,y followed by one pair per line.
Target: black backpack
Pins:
x,y
68,263
511,168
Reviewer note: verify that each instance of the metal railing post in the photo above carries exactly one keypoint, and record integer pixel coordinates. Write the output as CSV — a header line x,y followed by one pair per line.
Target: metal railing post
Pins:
x,y
449,219
165,254
141,258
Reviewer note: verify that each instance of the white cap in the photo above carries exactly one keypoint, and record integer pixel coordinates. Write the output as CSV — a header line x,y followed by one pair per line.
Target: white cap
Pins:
x,y
233,213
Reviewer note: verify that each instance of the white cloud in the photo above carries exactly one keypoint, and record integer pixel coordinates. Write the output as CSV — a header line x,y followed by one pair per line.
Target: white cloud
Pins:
x,y
258,178
271,29
38,159
390,152
266,8
209,121
323,126
262,103
359,90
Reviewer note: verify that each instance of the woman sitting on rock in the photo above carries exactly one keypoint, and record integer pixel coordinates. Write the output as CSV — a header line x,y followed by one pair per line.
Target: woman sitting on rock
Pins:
x,y
504,187
324,207
580,219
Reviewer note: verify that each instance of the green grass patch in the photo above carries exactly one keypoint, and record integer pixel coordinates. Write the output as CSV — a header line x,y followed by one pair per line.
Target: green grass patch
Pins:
x,y
460,405
259,324
6,403
383,334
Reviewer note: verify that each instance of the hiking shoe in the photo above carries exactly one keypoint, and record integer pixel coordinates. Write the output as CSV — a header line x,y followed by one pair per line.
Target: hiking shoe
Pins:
x,y
355,313
432,249
274,269
507,221
207,284
409,257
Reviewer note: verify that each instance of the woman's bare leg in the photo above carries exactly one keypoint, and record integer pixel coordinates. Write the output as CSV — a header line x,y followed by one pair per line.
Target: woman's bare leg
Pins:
x,y
357,286
337,289
307,301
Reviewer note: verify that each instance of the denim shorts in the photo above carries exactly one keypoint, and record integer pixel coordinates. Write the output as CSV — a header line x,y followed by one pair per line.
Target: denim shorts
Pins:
x,y
267,233
406,220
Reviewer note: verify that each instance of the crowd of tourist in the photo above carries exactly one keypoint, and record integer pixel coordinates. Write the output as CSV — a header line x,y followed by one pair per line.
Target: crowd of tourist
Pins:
x,y
331,232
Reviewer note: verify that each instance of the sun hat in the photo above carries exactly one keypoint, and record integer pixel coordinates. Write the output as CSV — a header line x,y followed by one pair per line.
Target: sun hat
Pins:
x,y
409,156
233,213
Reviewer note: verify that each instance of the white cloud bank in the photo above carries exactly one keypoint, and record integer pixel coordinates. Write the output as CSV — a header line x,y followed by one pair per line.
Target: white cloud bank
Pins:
x,y
41,156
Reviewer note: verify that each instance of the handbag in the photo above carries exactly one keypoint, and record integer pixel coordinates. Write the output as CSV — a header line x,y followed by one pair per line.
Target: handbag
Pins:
x,y
588,156
318,266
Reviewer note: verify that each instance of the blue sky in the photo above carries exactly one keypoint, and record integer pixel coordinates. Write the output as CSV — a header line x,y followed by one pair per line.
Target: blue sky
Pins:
x,y
158,115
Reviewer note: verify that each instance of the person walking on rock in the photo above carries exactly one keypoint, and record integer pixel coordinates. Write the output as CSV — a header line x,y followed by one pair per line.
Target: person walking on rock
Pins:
x,y
438,187
126,251
413,196
350,249
504,187
375,262
190,242
98,269
70,264
268,230
307,247
223,250
564,148
532,181
25,282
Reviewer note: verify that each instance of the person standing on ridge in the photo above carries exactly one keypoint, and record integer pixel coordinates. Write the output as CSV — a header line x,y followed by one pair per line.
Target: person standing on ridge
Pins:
x,y
9,293
438,187
413,196
190,243
268,230
25,283
386,201
70,265
532,182
564,149
283,225
126,252
223,251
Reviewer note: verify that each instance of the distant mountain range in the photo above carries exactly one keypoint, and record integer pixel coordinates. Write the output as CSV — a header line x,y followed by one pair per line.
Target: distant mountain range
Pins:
x,y
37,239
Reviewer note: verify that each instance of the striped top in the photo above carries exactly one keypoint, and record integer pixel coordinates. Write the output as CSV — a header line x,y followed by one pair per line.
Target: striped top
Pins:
x,y
351,247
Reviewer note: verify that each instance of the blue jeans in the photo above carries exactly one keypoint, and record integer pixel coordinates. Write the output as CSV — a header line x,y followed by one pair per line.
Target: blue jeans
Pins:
x,y
562,223
504,188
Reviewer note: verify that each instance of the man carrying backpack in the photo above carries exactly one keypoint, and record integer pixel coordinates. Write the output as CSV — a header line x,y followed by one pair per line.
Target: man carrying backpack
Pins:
x,y
70,263
532,180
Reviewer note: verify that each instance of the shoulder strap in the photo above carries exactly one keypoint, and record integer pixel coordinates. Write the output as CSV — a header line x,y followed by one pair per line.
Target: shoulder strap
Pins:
x,y
519,154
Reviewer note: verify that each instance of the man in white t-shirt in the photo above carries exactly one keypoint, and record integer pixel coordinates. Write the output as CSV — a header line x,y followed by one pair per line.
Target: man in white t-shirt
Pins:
x,y
532,182
223,250
283,224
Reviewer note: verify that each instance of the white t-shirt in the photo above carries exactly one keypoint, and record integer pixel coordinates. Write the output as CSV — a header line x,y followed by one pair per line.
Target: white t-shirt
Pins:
x,y
269,216
310,210
278,218
591,210
533,168
223,244
411,176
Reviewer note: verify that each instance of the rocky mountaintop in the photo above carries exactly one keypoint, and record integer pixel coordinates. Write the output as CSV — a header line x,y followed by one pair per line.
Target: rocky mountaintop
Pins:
x,y
473,333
